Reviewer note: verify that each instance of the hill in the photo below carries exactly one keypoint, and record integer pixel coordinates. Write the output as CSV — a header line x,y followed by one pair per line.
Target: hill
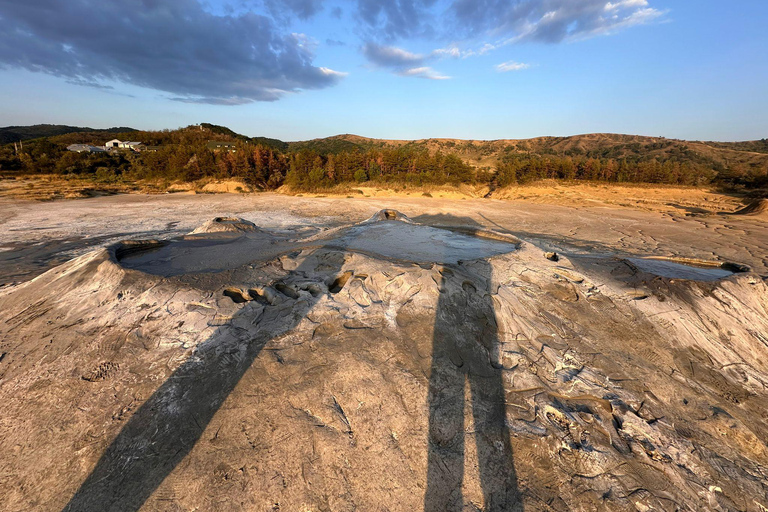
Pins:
x,y
489,153
11,134
316,164
484,154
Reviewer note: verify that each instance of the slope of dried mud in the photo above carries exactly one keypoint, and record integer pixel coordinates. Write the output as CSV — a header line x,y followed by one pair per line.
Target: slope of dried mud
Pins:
x,y
376,366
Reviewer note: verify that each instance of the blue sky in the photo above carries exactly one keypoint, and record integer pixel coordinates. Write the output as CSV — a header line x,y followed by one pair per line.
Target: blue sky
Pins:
x,y
480,69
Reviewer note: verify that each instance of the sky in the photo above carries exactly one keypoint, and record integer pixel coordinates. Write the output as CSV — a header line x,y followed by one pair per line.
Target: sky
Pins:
x,y
396,69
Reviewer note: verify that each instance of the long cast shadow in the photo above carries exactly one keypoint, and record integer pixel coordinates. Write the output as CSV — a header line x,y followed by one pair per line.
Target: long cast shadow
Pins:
x,y
464,343
168,425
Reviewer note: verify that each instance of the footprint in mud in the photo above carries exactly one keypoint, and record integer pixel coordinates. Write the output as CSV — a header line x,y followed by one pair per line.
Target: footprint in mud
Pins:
x,y
314,289
237,295
262,296
287,290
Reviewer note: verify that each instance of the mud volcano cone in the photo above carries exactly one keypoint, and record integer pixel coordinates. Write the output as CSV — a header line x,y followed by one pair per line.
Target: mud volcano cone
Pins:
x,y
382,365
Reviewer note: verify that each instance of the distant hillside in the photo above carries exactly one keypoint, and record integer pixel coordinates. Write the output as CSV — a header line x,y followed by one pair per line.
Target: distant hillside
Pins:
x,y
483,154
230,134
183,154
11,134
487,154
340,144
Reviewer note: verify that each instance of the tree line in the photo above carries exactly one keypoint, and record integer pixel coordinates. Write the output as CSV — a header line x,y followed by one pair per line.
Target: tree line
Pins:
x,y
182,155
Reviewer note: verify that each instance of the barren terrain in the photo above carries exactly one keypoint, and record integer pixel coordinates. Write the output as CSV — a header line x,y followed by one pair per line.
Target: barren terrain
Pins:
x,y
569,348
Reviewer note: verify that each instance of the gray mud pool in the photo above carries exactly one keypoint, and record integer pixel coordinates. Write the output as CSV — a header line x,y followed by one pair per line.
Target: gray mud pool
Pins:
x,y
393,240
674,270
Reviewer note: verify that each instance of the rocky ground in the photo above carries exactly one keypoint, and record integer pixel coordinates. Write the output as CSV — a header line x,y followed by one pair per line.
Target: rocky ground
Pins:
x,y
318,355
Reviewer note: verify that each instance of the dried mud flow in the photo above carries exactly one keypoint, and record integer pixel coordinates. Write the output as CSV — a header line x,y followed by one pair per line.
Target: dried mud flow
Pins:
x,y
394,364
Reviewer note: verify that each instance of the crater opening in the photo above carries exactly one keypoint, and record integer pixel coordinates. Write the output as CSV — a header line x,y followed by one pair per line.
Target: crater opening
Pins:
x,y
338,284
134,247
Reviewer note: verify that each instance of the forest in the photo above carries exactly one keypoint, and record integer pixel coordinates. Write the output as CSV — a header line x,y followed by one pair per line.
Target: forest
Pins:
x,y
267,164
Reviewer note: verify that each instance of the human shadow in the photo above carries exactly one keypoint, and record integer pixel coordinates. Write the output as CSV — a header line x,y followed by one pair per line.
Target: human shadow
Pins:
x,y
167,426
465,347
165,429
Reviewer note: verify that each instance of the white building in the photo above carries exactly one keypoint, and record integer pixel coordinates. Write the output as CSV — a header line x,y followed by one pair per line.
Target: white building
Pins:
x,y
119,144
86,148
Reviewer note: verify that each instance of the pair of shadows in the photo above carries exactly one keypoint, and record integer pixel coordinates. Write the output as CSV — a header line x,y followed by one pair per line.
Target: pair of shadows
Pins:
x,y
167,426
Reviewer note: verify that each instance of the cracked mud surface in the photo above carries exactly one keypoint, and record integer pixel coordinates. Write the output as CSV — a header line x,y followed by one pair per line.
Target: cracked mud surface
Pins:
x,y
337,368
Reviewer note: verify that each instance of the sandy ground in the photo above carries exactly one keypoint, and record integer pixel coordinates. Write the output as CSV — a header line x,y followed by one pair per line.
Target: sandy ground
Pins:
x,y
35,236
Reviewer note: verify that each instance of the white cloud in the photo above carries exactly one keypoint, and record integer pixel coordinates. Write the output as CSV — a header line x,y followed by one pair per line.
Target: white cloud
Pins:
x,y
333,72
451,51
625,4
402,62
511,65
423,72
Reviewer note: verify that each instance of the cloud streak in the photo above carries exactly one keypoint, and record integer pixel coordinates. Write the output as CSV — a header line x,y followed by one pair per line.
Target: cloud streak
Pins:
x,y
167,45
506,67
401,62
549,21
423,72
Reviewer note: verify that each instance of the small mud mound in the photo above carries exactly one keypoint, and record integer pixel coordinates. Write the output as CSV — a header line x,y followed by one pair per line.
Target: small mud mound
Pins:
x,y
226,225
389,215
757,207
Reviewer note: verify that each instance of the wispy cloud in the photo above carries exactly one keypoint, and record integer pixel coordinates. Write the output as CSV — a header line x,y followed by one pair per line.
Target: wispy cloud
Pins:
x,y
423,72
333,73
391,56
401,62
511,65
549,21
